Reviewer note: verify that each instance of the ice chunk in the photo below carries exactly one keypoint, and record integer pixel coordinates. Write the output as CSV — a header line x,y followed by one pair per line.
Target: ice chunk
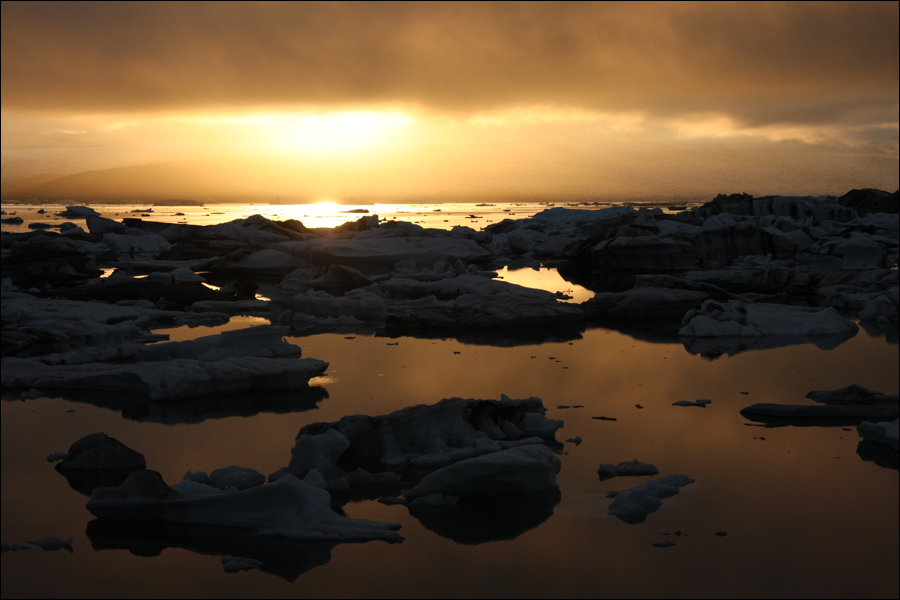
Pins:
x,y
264,341
363,306
734,318
169,380
516,470
78,212
13,547
700,403
766,411
632,468
634,504
426,437
184,275
287,508
233,564
853,394
99,451
53,543
236,478
145,246
373,251
885,432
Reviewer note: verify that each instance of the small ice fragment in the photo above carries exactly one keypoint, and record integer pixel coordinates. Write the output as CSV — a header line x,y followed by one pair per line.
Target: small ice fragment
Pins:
x,y
57,456
233,564
701,403
7,547
575,440
721,533
632,468
665,544
53,543
634,504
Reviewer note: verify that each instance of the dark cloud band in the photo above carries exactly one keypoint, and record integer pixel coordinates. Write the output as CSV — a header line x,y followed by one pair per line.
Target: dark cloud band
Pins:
x,y
757,62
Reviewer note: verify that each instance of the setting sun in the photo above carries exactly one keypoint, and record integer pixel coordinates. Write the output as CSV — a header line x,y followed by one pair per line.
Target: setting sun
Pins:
x,y
335,133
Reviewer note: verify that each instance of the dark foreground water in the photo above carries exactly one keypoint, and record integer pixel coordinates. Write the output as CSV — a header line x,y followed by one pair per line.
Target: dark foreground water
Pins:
x,y
805,514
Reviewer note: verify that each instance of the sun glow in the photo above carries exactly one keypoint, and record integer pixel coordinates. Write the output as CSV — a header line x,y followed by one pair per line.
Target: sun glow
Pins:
x,y
336,133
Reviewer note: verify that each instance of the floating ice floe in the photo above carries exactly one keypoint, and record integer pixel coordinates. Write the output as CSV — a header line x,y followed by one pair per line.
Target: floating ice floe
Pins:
x,y
262,341
227,478
234,564
376,250
53,543
287,508
701,403
518,470
885,432
99,451
853,395
643,303
737,319
420,437
633,468
849,403
13,547
78,212
634,504
174,379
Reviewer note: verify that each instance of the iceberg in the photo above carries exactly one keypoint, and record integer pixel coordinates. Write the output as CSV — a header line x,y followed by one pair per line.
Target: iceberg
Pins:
x,y
175,379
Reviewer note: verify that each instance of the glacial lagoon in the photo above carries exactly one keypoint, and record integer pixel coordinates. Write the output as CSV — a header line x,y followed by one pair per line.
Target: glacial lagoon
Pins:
x,y
805,509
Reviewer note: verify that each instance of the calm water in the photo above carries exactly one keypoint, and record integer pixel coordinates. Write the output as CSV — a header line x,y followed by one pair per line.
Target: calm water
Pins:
x,y
804,514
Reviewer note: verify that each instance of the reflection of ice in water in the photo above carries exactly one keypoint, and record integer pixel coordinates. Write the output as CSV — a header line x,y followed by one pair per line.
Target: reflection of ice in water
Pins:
x,y
546,279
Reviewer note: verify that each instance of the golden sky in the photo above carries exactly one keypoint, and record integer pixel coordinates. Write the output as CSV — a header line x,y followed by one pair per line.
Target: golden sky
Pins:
x,y
406,99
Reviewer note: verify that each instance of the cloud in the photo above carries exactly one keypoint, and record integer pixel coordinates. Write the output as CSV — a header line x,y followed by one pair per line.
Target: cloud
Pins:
x,y
758,64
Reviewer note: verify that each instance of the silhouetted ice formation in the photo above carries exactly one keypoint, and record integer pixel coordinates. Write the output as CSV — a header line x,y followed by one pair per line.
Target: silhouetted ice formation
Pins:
x,y
372,455
192,410
175,379
285,558
850,405
633,468
634,504
287,508
733,265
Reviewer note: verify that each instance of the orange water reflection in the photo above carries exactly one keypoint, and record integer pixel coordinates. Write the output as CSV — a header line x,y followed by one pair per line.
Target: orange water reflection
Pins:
x,y
800,520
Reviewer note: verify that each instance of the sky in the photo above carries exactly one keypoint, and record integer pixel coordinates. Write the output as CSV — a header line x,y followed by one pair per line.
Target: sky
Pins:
x,y
416,100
